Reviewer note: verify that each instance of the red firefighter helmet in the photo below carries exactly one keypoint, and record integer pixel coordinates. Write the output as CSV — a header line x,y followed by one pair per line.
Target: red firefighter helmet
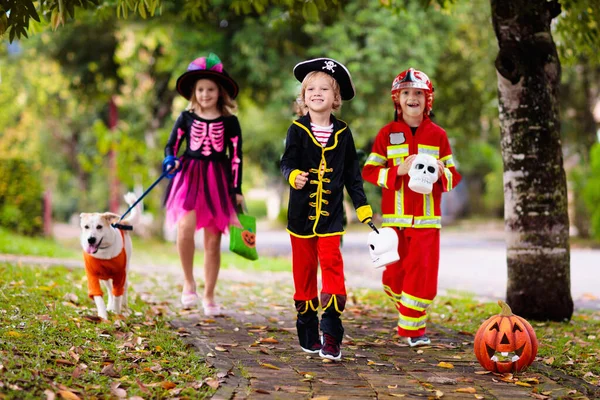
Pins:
x,y
413,78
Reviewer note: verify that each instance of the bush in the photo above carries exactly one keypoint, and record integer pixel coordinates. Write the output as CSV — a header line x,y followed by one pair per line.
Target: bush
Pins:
x,y
20,196
591,191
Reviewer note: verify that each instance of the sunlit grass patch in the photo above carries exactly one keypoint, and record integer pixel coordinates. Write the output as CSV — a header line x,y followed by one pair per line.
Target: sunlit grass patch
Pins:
x,y
146,251
51,340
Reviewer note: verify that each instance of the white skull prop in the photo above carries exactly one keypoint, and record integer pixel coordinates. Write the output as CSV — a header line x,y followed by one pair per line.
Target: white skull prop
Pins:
x,y
423,173
383,247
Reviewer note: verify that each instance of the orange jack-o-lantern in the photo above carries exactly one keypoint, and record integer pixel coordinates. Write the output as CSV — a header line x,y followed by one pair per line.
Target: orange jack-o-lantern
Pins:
x,y
249,238
505,342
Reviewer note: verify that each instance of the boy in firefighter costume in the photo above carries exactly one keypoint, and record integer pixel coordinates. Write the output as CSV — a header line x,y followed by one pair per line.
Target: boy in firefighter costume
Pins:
x,y
411,283
319,161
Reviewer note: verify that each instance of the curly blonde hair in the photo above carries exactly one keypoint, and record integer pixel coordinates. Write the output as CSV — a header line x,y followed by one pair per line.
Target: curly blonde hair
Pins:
x,y
311,76
226,105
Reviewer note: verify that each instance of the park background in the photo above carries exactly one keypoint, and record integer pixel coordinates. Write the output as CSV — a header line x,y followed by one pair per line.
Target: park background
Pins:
x,y
88,101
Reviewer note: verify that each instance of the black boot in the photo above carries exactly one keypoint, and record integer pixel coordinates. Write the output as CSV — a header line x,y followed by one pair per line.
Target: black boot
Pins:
x,y
331,325
307,324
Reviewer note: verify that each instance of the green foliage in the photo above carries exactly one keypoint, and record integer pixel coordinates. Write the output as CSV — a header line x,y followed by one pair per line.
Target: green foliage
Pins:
x,y
140,355
20,196
578,30
591,191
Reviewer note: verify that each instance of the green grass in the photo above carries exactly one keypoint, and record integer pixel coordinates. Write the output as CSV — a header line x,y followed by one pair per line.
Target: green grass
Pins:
x,y
145,251
13,243
50,340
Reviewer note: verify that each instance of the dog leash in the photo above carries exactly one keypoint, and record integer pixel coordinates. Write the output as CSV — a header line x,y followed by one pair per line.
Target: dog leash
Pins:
x,y
129,227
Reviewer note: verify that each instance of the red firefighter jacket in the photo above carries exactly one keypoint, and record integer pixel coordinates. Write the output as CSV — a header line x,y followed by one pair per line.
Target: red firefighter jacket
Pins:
x,y
400,205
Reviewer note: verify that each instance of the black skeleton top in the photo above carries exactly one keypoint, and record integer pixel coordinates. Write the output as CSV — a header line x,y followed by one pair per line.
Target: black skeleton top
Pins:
x,y
217,140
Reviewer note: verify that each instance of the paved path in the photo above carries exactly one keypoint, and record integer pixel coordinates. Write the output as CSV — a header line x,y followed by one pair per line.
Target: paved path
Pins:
x,y
256,354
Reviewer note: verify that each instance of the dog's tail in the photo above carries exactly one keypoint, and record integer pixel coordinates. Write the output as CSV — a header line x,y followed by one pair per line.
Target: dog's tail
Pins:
x,y
134,215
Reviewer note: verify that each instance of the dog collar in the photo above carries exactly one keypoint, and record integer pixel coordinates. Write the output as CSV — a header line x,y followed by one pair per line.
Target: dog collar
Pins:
x,y
122,227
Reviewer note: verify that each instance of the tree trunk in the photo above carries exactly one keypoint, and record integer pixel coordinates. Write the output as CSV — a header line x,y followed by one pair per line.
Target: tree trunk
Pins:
x,y
535,190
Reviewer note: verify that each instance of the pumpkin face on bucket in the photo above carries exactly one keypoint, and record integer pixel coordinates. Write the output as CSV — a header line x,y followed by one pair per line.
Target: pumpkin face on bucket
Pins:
x,y
249,238
505,342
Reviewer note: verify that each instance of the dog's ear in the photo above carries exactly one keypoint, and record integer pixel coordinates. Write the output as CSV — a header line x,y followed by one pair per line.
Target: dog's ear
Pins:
x,y
110,217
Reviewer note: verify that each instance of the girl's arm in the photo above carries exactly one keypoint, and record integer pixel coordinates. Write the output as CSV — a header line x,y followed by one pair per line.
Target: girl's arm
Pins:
x,y
235,153
176,138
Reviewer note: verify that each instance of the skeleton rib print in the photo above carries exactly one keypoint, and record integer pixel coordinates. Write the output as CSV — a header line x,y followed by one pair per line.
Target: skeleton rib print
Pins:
x,y
207,136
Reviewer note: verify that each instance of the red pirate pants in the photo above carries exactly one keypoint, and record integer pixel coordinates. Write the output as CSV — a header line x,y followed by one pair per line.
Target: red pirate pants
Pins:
x,y
307,254
411,283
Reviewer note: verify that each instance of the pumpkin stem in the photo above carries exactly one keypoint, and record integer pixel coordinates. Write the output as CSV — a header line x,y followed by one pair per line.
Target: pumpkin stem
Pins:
x,y
506,311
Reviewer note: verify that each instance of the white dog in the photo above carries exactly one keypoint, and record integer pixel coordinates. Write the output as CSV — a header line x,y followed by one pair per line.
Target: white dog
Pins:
x,y
107,255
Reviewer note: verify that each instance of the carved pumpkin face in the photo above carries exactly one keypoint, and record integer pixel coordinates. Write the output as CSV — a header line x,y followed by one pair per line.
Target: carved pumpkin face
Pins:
x,y
505,342
249,239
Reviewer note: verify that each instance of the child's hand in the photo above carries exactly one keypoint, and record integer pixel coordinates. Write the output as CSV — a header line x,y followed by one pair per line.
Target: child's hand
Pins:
x,y
441,168
405,166
300,180
239,199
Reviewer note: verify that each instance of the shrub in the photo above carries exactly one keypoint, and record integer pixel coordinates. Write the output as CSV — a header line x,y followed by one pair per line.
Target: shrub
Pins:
x,y
20,196
591,190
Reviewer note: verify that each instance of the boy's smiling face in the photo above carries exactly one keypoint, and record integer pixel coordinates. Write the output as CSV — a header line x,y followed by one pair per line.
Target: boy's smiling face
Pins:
x,y
319,94
412,102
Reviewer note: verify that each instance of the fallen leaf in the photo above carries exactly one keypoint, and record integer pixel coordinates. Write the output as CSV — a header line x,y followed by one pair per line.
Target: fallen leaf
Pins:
x,y
267,365
65,394
219,348
524,384
321,398
479,397
471,390
443,364
328,382
262,391
142,387
117,391
76,373
534,381
270,340
212,382
483,372
49,394
167,385
549,360
109,370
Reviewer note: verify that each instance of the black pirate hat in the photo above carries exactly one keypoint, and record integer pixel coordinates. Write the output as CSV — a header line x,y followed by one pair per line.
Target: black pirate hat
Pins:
x,y
332,67
209,67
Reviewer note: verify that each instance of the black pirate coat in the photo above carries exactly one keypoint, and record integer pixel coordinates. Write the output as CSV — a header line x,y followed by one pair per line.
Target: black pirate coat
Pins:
x,y
317,209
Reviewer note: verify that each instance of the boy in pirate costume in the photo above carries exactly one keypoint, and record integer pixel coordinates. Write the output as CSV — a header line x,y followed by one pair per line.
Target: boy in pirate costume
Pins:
x,y
319,161
411,283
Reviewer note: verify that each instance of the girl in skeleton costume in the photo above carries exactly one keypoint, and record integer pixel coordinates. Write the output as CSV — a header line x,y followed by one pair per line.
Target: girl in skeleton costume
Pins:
x,y
411,283
319,161
206,191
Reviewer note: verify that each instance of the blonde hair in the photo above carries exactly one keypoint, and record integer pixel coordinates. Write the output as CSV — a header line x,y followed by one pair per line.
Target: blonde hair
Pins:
x,y
311,76
226,105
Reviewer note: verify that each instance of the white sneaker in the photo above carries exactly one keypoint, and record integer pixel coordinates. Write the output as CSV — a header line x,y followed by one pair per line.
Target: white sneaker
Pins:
x,y
418,341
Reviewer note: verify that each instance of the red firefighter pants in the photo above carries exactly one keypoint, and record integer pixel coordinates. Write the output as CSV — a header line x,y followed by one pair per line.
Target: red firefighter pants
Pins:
x,y
411,283
307,253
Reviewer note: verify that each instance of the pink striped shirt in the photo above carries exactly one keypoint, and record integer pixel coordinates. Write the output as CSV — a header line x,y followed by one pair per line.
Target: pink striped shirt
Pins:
x,y
322,133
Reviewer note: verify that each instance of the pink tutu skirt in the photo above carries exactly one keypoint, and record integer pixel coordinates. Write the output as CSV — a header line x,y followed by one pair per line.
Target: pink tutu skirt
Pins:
x,y
202,186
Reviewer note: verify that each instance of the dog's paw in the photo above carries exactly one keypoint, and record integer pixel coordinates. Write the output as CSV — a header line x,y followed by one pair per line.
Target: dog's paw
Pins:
x,y
130,198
